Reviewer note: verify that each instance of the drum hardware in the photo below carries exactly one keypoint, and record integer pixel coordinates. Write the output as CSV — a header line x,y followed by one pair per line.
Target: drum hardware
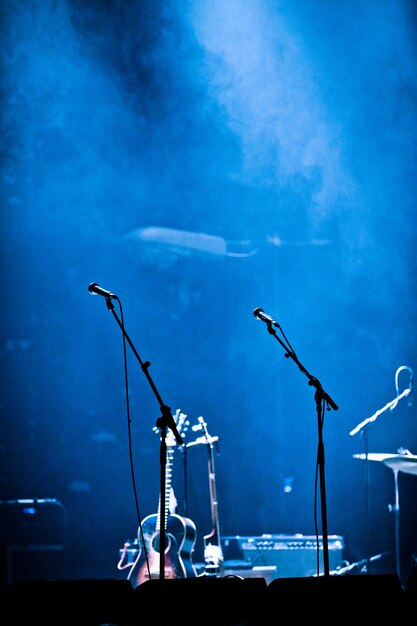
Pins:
x,y
402,461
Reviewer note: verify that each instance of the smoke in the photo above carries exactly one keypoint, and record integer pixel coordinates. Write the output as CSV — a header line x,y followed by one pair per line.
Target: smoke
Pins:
x,y
204,158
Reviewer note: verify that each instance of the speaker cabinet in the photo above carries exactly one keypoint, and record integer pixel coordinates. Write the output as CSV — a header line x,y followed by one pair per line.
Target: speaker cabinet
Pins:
x,y
32,539
32,522
283,556
35,562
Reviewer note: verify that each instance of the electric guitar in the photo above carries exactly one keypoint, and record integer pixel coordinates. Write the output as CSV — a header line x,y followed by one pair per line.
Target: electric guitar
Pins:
x,y
180,532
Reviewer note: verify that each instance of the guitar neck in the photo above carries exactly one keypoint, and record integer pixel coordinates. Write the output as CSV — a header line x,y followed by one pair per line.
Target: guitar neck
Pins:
x,y
169,500
213,552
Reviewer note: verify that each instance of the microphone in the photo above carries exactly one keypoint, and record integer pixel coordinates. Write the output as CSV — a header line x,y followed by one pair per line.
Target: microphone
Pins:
x,y
261,315
96,290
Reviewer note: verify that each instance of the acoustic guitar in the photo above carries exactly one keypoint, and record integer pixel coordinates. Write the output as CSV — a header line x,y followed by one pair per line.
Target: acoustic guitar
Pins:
x,y
179,532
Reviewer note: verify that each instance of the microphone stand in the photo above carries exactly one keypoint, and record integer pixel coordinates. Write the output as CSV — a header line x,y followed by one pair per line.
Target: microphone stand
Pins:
x,y
165,421
322,400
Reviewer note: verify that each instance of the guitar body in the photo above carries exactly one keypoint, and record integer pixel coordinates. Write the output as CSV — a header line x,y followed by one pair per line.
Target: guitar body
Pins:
x,y
180,538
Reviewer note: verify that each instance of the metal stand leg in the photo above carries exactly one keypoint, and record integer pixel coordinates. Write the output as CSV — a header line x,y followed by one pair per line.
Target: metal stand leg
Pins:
x,y
396,511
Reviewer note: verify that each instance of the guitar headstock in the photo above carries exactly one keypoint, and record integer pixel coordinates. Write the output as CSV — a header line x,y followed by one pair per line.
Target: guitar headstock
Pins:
x,y
205,438
182,424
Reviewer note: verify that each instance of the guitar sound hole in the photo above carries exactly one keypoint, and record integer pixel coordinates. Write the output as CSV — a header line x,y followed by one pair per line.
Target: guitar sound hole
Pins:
x,y
156,543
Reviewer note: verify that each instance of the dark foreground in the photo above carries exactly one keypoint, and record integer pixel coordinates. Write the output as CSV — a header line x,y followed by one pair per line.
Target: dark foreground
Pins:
x,y
233,601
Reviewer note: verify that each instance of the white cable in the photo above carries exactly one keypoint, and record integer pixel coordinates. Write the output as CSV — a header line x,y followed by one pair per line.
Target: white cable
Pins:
x,y
397,389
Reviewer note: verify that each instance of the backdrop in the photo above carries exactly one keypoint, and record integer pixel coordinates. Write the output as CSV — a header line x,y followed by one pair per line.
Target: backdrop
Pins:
x,y
200,159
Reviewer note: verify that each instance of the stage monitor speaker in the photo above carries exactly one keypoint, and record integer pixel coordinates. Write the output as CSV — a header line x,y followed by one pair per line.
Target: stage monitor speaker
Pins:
x,y
228,601
377,598
82,602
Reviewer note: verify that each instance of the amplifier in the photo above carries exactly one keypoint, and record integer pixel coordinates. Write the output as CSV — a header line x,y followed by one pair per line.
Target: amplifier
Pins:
x,y
291,555
32,539
32,522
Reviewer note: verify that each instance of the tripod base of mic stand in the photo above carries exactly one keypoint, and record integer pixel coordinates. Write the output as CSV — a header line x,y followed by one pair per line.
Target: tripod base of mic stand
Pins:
x,y
359,567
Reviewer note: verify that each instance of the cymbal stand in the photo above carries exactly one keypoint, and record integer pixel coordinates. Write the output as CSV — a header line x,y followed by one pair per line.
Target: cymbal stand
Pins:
x,y
395,509
367,482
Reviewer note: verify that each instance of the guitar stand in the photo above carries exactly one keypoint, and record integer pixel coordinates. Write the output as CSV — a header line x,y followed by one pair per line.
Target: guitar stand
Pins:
x,y
213,554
